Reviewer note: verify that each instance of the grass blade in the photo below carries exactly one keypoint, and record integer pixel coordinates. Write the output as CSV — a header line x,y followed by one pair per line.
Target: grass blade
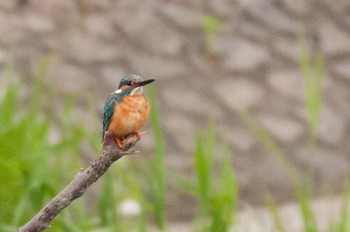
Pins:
x,y
272,207
223,203
158,165
312,72
269,144
344,222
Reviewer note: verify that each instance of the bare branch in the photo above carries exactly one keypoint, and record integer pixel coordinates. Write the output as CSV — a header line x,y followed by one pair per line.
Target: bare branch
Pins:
x,y
77,187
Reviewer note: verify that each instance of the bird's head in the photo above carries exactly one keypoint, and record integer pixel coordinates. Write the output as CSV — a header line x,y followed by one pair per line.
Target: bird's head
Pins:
x,y
132,85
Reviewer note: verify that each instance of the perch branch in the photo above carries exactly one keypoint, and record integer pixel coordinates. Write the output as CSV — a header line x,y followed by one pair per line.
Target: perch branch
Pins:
x,y
77,187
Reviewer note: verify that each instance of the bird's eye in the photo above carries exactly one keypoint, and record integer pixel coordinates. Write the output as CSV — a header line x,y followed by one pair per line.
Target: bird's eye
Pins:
x,y
128,83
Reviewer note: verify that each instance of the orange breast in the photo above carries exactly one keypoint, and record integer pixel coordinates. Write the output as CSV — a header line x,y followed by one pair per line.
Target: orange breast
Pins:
x,y
129,116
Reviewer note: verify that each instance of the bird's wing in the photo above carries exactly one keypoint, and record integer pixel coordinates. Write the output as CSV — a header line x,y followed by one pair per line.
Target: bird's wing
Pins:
x,y
108,110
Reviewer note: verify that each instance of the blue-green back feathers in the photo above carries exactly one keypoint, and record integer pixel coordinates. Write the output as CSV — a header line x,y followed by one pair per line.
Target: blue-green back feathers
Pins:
x,y
108,109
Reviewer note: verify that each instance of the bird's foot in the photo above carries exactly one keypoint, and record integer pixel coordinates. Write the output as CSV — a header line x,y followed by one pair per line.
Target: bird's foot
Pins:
x,y
119,143
137,133
119,140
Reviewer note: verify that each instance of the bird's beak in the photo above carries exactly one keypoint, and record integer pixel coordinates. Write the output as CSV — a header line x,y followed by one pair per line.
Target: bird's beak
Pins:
x,y
146,82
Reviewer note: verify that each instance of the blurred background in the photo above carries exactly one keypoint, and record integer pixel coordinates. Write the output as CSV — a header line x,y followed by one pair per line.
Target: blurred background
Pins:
x,y
250,118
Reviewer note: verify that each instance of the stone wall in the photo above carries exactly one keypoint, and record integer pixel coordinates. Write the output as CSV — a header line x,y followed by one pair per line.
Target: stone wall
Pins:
x,y
250,62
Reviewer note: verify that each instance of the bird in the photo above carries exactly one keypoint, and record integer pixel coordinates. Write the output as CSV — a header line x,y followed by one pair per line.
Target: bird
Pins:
x,y
126,110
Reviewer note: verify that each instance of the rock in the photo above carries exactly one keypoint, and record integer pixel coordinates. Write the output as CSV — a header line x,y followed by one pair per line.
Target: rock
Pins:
x,y
185,100
155,66
240,93
193,4
198,60
223,8
141,26
38,24
342,69
282,128
3,57
287,48
338,95
8,5
270,16
63,12
181,129
180,16
270,174
339,9
238,138
347,20
68,78
111,75
99,26
287,83
179,161
87,50
248,3
92,5
161,39
12,30
79,116
332,128
330,33
297,7
324,160
255,31
239,54
132,17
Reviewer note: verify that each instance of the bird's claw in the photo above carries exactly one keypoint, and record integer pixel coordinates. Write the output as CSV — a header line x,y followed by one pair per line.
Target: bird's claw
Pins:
x,y
138,134
119,143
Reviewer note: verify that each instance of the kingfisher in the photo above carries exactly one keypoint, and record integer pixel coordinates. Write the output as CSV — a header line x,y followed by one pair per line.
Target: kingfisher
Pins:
x,y
126,110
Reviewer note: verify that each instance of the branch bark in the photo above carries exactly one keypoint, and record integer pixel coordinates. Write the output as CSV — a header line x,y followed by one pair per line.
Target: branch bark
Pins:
x,y
77,187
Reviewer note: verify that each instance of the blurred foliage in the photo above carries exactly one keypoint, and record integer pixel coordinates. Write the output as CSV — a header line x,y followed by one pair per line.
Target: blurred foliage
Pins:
x,y
25,146
215,190
211,27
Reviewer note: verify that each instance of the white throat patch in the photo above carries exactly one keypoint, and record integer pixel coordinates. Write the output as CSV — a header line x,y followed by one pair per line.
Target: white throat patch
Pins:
x,y
118,91
136,91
